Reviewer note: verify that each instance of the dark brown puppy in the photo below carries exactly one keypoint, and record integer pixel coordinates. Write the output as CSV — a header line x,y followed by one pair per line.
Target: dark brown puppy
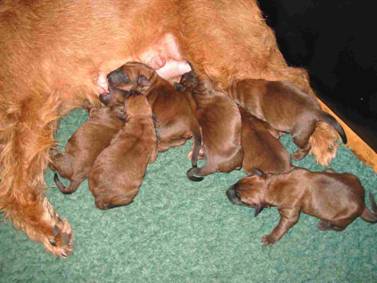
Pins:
x,y
261,146
285,108
118,171
336,199
173,110
86,144
220,123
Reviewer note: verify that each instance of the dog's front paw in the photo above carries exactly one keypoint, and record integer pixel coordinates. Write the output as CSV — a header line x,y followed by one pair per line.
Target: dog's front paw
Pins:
x,y
268,240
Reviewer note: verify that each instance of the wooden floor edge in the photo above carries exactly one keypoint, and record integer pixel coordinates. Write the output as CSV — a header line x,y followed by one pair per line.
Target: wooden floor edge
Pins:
x,y
361,149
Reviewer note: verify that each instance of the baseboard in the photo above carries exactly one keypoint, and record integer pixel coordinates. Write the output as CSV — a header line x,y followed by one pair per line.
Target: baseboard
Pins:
x,y
361,149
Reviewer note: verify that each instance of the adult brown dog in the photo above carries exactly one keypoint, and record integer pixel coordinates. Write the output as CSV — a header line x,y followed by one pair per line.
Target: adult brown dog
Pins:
x,y
261,146
36,36
337,199
220,123
285,108
84,146
174,111
118,171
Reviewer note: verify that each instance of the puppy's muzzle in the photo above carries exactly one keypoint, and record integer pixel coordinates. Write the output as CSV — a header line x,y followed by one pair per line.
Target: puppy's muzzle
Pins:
x,y
233,195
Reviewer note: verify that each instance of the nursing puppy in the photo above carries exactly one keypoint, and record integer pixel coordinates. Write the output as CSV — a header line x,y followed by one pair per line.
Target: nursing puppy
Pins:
x,y
220,123
261,146
86,144
337,199
118,171
173,110
285,108
34,94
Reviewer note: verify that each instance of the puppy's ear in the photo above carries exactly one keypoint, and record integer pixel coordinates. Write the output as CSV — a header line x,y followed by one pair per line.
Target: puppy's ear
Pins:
x,y
143,81
179,87
258,209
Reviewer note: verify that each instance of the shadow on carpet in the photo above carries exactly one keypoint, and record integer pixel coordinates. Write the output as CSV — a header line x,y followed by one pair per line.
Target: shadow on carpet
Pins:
x,y
181,231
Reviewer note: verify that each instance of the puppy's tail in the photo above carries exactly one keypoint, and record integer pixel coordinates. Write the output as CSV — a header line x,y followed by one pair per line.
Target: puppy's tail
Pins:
x,y
325,117
370,215
66,190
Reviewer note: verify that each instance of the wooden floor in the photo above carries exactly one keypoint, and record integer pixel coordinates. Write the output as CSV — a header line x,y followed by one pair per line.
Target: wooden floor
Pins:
x,y
355,143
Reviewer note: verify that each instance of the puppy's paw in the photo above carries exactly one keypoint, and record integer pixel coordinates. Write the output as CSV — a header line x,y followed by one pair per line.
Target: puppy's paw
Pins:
x,y
268,240
324,226
298,154
191,174
201,154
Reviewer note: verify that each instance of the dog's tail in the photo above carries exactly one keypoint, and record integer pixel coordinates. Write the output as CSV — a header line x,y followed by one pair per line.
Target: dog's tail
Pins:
x,y
325,117
370,215
66,190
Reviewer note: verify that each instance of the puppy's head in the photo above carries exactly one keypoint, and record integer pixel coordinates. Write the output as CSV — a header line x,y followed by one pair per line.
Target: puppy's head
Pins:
x,y
250,191
137,104
115,100
188,81
132,76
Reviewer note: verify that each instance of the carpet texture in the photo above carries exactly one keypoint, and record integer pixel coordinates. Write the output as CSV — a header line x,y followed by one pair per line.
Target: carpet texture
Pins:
x,y
181,231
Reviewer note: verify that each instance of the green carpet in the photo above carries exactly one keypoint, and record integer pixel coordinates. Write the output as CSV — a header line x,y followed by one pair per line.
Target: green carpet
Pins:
x,y
181,231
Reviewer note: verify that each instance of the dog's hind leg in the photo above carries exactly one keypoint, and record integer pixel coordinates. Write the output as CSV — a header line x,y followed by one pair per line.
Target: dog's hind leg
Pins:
x,y
73,186
301,134
116,200
196,174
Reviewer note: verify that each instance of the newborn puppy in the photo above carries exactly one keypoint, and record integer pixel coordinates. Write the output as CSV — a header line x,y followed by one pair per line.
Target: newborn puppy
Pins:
x,y
86,144
173,110
118,171
285,108
261,146
220,123
132,75
336,199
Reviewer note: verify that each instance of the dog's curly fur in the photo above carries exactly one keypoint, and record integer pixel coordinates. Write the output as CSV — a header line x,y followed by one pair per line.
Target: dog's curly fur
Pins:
x,y
52,52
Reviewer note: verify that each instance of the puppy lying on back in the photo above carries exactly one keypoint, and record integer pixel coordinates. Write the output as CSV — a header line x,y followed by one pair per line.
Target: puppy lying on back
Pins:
x,y
174,111
336,199
261,146
86,144
220,123
285,108
118,171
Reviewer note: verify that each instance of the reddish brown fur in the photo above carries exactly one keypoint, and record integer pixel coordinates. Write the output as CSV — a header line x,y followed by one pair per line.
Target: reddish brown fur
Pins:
x,y
261,148
285,108
118,171
220,123
337,199
174,111
84,146
37,36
